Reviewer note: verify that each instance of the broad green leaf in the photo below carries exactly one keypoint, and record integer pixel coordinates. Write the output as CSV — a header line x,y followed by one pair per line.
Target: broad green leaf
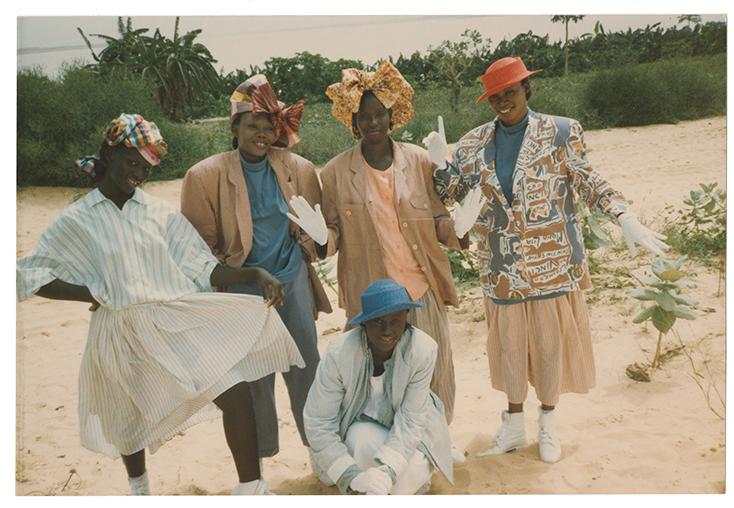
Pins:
x,y
644,315
682,284
662,320
684,313
679,263
685,300
670,275
642,294
666,300
659,265
648,281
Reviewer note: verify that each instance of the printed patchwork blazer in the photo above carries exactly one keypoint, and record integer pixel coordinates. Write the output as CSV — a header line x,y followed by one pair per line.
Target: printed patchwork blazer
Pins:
x,y
532,247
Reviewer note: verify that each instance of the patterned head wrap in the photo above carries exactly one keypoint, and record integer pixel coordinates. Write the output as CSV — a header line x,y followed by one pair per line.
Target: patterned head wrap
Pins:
x,y
388,85
135,132
257,96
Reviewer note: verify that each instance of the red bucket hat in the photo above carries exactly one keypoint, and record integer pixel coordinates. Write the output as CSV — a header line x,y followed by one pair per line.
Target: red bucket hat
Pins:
x,y
503,73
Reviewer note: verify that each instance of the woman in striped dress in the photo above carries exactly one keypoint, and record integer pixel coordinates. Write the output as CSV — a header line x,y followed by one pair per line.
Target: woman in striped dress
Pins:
x,y
163,351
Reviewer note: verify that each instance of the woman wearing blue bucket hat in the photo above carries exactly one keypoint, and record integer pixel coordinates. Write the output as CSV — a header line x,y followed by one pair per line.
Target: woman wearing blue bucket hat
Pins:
x,y
372,422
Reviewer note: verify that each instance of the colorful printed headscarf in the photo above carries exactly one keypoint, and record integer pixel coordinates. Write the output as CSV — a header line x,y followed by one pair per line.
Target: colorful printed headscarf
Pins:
x,y
388,85
135,132
257,96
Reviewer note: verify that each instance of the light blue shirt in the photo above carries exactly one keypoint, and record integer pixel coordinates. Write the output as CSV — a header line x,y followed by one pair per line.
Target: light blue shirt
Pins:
x,y
273,249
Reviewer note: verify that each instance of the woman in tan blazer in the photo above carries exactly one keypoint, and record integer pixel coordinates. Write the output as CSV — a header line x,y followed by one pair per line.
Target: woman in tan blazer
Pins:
x,y
383,216
237,201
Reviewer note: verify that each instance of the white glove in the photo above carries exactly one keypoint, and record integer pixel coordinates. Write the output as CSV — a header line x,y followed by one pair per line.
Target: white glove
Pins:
x,y
634,232
436,144
310,220
466,216
375,480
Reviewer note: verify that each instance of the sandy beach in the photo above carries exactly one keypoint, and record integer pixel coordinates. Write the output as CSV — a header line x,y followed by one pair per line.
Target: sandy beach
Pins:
x,y
624,437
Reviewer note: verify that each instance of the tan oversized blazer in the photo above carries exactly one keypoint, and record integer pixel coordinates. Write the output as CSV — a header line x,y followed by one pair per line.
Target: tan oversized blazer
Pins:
x,y
424,222
214,199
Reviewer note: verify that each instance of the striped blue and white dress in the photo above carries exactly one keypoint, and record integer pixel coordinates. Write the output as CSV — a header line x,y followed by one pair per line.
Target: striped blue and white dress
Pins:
x,y
161,346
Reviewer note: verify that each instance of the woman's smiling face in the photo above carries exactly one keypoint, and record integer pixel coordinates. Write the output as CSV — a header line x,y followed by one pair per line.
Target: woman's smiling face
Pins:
x,y
126,169
384,332
511,103
255,135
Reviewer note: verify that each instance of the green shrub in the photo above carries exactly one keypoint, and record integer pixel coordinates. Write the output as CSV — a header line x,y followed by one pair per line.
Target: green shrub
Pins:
x,y
664,92
77,107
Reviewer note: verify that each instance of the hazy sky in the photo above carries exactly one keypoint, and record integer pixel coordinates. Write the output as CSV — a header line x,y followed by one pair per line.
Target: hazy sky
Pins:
x,y
237,42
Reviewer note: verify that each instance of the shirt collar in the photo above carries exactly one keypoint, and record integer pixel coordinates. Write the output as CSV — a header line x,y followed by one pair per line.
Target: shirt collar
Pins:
x,y
138,196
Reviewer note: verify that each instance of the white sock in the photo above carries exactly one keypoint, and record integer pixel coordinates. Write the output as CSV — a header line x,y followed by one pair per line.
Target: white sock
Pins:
x,y
245,489
139,485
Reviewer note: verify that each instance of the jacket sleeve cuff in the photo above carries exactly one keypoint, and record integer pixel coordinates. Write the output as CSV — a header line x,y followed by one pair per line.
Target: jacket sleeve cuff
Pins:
x,y
392,459
345,480
339,466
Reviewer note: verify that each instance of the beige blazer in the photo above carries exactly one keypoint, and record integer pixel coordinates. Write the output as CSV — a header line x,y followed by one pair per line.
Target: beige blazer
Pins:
x,y
214,199
424,222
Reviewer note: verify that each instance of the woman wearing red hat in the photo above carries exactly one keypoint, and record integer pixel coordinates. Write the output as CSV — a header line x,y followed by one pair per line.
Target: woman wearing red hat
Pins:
x,y
520,175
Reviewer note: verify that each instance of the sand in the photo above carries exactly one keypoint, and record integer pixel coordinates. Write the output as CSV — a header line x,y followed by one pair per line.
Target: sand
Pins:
x,y
624,437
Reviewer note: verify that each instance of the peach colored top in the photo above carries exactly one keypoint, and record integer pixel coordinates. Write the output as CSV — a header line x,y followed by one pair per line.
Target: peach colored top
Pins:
x,y
400,262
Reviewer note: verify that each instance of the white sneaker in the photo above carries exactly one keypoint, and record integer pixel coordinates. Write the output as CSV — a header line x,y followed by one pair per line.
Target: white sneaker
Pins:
x,y
456,455
548,442
510,436
253,488
139,486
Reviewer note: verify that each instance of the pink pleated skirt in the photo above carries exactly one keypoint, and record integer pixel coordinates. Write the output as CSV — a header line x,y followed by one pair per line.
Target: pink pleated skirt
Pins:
x,y
546,343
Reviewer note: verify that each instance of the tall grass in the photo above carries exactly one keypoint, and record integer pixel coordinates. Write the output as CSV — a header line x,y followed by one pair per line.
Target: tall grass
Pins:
x,y
69,121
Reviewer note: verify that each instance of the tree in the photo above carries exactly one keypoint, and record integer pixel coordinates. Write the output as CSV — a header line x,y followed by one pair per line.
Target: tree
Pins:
x,y
689,17
565,19
453,60
179,69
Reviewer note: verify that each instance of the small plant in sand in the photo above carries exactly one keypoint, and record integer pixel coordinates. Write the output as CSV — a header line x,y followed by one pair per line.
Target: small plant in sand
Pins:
x,y
323,269
699,228
668,305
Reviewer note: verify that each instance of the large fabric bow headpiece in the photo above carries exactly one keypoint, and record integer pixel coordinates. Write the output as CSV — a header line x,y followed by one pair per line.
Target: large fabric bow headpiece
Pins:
x,y
135,132
388,85
255,95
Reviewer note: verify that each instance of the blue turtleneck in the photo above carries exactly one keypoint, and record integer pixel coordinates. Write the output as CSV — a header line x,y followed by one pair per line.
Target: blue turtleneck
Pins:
x,y
273,249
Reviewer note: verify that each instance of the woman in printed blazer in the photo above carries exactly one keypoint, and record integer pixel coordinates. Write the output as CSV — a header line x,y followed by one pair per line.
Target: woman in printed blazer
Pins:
x,y
530,167
383,216
217,200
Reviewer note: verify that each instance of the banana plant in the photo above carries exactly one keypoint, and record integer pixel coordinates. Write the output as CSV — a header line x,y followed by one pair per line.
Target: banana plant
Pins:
x,y
668,304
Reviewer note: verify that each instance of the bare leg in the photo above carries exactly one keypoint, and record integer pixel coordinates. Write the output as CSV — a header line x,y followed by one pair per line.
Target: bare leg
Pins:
x,y
514,408
240,430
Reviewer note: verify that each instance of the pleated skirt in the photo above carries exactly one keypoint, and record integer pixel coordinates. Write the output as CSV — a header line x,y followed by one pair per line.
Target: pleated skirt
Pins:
x,y
546,343
150,371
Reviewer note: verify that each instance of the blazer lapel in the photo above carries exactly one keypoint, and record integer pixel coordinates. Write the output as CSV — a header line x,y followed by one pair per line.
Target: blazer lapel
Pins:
x,y
236,179
286,182
358,168
399,175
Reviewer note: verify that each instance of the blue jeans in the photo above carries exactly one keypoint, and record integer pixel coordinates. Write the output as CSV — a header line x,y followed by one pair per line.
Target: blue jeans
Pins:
x,y
297,314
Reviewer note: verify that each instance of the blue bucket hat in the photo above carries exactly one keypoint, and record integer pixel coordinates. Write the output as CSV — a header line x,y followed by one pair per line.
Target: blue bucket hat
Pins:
x,y
381,298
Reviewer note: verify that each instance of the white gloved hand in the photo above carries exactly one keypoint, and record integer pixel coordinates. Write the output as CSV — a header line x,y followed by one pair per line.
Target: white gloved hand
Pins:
x,y
375,480
436,145
310,220
466,216
634,232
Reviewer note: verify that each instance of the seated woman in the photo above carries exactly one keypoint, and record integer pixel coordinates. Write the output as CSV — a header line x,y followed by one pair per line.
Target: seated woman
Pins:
x,y
372,422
